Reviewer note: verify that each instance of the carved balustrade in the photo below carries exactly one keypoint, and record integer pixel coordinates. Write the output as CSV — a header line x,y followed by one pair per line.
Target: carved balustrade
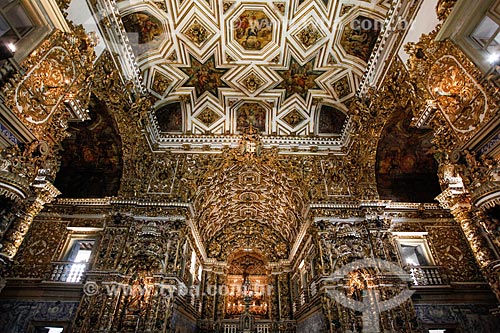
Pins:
x,y
426,276
68,271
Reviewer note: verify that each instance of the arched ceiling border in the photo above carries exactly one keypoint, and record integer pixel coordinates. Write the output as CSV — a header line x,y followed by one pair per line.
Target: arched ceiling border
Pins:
x,y
341,107
335,43
160,51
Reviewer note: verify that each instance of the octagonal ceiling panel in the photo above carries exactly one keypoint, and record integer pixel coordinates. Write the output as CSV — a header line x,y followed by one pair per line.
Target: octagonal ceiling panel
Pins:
x,y
253,32
286,56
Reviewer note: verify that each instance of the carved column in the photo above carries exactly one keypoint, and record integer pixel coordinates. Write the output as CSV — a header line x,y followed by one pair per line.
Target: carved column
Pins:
x,y
464,214
15,235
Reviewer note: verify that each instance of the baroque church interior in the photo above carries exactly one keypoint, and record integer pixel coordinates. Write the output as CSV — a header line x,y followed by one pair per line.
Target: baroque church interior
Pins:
x,y
242,166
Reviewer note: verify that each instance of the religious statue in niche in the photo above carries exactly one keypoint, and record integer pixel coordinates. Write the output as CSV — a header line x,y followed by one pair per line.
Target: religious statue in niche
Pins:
x,y
336,183
135,304
144,31
253,30
251,114
359,37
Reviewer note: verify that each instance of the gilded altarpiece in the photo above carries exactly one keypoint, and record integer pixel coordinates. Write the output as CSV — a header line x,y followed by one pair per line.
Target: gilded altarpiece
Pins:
x,y
342,243
137,275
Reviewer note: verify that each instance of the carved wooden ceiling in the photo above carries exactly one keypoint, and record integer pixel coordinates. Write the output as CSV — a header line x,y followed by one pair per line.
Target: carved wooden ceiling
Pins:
x,y
289,68
246,198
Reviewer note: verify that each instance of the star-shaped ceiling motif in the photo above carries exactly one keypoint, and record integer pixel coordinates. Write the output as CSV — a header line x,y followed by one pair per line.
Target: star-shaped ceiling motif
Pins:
x,y
230,53
299,79
204,76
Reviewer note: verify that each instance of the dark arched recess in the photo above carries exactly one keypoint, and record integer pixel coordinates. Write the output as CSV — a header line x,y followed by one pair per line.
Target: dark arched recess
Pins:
x,y
406,170
91,158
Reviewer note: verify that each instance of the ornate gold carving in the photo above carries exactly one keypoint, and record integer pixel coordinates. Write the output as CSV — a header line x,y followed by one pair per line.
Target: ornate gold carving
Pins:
x,y
281,6
33,259
63,4
342,87
13,238
444,8
53,77
252,82
451,252
345,8
172,57
160,83
461,100
226,5
336,182
445,79
136,153
248,211
462,210
44,87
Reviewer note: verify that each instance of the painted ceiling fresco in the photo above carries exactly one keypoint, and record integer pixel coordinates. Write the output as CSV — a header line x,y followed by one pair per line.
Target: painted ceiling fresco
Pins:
x,y
91,165
148,31
274,62
406,169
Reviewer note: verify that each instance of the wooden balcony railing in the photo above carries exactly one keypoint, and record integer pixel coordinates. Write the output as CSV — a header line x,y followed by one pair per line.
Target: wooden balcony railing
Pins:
x,y
426,275
66,271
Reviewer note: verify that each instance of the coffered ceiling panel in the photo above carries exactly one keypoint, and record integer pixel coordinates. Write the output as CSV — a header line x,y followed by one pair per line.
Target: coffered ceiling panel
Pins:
x,y
269,64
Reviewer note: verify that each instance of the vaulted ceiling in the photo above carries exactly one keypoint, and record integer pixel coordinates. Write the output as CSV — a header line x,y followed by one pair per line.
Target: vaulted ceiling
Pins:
x,y
245,198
